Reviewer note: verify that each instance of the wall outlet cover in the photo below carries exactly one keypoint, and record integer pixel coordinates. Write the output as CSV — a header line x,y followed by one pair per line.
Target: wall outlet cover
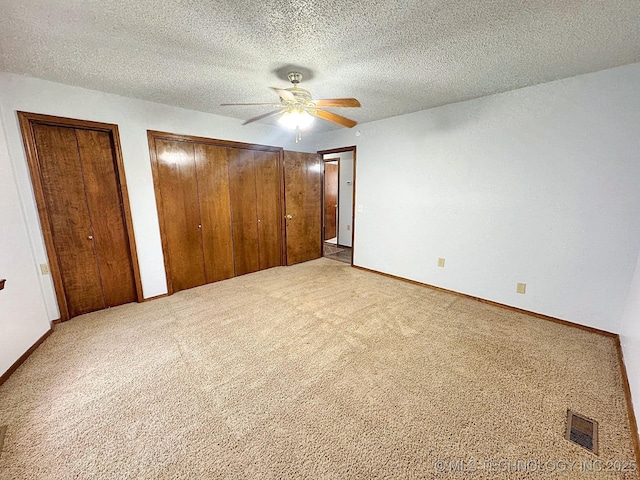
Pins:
x,y
521,288
44,268
441,262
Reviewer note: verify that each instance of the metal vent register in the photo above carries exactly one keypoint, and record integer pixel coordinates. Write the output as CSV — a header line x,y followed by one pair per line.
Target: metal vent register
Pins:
x,y
2,431
582,431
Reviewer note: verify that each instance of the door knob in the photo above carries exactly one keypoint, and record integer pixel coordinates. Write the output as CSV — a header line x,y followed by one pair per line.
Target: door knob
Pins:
x,y
288,217
90,237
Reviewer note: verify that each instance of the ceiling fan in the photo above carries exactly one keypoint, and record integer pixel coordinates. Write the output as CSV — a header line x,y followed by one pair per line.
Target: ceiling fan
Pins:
x,y
298,109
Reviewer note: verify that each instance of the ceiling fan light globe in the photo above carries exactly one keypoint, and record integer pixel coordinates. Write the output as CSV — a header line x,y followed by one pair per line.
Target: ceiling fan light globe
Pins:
x,y
296,119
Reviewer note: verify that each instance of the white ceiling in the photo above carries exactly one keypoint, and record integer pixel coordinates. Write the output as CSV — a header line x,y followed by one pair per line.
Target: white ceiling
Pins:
x,y
395,56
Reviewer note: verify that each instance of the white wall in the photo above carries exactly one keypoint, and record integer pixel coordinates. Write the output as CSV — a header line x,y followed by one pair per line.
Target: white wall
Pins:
x,y
23,314
630,340
537,185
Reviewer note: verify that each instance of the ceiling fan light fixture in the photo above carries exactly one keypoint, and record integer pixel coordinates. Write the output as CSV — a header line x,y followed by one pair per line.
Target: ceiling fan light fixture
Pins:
x,y
297,108
296,119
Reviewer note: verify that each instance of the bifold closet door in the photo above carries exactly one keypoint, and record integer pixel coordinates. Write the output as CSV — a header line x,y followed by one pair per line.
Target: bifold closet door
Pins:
x,y
269,210
193,184
244,215
182,237
220,207
254,181
84,210
215,211
105,208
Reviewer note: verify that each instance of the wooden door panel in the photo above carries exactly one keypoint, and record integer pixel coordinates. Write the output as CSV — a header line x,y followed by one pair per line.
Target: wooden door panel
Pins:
x,y
303,183
330,200
242,191
181,213
215,211
66,205
105,209
269,210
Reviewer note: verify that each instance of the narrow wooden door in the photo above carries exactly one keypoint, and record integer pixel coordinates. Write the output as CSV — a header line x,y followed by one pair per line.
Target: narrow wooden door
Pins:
x,y
303,209
215,211
70,223
268,207
244,215
330,200
77,187
182,239
105,209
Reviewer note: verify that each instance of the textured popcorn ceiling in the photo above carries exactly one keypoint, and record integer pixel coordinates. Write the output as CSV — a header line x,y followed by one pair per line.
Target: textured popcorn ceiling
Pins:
x,y
395,56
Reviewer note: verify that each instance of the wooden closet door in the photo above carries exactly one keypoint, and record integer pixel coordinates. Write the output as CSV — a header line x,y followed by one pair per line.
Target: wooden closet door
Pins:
x,y
303,190
66,204
215,211
181,214
244,219
105,209
268,209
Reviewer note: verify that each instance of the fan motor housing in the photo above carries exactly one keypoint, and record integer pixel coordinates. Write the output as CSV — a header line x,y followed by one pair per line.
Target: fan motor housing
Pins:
x,y
294,77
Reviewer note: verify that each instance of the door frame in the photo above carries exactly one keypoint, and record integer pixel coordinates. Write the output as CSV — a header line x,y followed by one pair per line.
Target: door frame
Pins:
x,y
152,135
353,149
27,121
324,166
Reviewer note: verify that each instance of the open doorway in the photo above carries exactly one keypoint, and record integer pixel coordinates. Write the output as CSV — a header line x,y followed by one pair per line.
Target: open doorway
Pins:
x,y
338,195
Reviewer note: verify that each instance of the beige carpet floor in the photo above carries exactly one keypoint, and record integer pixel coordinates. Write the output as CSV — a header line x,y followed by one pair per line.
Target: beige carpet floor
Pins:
x,y
279,374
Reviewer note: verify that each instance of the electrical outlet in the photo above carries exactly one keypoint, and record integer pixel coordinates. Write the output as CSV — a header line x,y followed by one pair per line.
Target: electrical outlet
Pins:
x,y
441,262
348,227
521,288
44,268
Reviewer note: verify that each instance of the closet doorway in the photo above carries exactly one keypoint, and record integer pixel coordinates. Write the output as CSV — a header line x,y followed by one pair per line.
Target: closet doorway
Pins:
x,y
219,205
338,197
78,180
229,208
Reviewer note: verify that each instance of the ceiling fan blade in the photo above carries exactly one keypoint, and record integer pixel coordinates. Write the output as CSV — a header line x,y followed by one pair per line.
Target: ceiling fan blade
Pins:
x,y
235,104
337,102
260,117
284,94
332,117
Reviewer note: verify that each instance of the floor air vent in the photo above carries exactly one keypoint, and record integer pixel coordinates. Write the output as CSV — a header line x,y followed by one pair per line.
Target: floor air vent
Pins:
x,y
582,431
2,431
